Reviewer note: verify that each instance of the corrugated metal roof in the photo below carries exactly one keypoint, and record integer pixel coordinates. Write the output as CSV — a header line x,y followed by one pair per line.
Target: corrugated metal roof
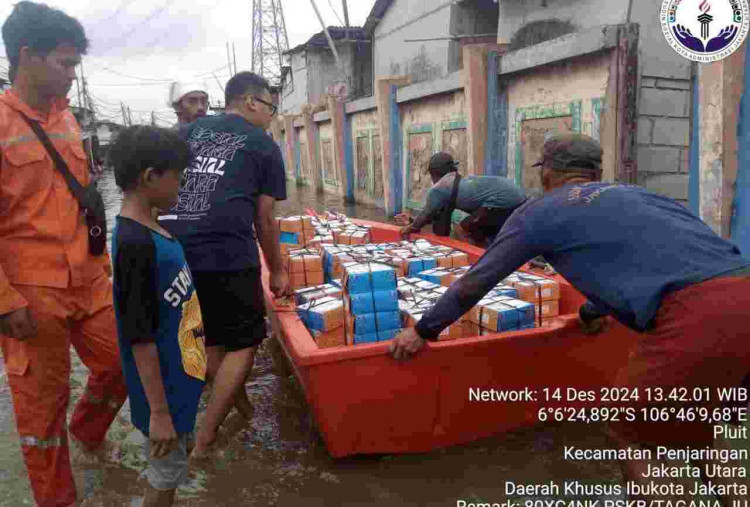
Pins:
x,y
319,40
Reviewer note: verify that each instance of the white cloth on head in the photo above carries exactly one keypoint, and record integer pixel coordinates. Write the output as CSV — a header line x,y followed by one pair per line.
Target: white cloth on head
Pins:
x,y
178,89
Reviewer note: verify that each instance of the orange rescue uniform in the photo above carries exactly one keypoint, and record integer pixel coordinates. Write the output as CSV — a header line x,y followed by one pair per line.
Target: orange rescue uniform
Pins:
x,y
45,265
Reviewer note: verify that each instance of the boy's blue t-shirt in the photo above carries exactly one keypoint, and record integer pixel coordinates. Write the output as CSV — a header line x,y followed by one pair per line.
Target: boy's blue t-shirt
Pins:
x,y
233,163
155,302
622,246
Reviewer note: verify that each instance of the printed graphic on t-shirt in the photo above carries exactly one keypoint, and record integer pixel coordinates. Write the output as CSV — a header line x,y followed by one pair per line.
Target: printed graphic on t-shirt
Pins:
x,y
192,339
212,151
190,334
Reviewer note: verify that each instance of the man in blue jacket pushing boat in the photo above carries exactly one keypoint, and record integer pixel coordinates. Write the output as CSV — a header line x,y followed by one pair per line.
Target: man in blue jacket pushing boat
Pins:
x,y
638,257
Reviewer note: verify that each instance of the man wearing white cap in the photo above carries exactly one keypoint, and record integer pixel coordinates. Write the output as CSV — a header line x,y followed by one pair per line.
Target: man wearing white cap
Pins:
x,y
189,101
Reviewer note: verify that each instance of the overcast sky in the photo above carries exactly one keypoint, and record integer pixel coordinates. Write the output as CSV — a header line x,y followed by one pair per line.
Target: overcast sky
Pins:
x,y
137,46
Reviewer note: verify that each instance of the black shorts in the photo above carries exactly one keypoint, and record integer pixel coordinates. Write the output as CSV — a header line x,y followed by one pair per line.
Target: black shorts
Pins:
x,y
232,306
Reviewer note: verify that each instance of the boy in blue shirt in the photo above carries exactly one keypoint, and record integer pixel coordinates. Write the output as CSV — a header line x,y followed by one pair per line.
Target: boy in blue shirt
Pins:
x,y
158,316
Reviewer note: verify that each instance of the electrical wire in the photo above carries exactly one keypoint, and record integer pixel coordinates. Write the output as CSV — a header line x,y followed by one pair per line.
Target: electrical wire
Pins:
x,y
156,12
335,13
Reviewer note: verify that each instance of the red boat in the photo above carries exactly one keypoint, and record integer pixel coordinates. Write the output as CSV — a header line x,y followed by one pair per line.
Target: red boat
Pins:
x,y
364,402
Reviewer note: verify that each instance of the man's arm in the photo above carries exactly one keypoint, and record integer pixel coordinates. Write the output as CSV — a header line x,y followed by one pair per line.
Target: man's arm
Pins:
x,y
268,236
434,201
271,188
15,319
161,429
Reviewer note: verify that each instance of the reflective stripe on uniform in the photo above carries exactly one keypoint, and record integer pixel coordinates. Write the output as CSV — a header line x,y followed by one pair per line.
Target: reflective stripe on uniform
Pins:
x,y
71,136
43,444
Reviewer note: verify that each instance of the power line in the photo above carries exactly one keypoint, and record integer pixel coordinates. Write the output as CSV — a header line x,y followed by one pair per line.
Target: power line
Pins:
x,y
148,18
336,13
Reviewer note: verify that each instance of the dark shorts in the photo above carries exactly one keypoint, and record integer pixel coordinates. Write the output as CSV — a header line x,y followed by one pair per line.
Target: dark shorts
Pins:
x,y
483,224
232,306
700,340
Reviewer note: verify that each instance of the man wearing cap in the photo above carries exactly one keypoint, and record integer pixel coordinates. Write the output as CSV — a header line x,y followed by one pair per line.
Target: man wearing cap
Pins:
x,y
641,258
489,201
189,101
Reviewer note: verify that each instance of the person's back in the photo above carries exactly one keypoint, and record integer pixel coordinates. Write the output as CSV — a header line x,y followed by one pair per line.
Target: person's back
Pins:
x,y
488,200
623,246
477,191
217,201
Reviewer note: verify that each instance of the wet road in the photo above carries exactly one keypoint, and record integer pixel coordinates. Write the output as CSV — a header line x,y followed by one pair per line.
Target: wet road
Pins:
x,y
280,460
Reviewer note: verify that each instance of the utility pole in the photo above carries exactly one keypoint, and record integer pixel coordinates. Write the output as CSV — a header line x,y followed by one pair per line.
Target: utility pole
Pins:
x,y
330,41
229,61
153,119
234,53
124,116
130,117
346,18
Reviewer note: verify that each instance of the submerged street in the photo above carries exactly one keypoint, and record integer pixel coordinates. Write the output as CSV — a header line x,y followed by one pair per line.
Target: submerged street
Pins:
x,y
279,459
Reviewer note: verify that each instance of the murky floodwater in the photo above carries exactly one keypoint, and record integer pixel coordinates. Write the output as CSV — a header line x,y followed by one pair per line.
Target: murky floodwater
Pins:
x,y
280,460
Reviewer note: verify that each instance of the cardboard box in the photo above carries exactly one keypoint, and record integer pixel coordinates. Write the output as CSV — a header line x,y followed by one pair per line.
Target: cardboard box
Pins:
x,y
370,302
305,279
323,315
307,294
526,311
368,277
547,309
300,263
328,339
438,276
452,260
298,224
414,314
372,322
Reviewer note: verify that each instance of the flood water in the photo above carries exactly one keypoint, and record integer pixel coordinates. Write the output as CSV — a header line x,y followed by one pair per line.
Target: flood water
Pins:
x,y
279,459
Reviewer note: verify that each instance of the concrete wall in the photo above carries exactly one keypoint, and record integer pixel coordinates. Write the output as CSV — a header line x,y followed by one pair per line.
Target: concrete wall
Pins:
x,y
564,97
436,123
315,71
664,81
296,95
413,19
368,167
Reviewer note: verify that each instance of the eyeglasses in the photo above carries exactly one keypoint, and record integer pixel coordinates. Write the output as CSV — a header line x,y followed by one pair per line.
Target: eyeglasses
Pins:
x,y
273,107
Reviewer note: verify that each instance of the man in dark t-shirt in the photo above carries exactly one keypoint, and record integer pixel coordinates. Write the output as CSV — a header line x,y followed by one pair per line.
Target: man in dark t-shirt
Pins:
x,y
229,190
639,257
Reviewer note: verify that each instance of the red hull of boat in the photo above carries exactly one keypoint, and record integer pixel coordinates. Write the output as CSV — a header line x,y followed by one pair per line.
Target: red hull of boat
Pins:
x,y
364,402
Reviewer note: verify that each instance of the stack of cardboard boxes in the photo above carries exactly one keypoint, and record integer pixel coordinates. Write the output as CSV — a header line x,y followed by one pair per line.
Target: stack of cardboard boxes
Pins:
x,y
370,303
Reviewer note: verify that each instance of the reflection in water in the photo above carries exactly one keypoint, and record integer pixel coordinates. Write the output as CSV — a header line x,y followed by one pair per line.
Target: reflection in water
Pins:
x,y
279,459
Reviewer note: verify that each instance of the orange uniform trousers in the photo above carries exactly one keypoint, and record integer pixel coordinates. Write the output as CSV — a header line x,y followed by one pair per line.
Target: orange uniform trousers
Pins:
x,y
38,372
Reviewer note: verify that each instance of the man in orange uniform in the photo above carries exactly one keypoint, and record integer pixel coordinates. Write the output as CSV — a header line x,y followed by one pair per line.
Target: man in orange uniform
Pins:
x,y
53,292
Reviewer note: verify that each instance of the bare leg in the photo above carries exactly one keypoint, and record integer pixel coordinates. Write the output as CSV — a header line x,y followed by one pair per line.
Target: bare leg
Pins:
x,y
229,378
242,402
157,498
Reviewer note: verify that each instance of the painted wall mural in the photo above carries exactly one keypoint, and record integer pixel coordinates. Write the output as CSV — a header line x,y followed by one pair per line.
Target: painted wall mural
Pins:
x,y
455,142
533,123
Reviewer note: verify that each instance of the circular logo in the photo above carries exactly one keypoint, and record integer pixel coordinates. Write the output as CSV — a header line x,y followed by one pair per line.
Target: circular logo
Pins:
x,y
705,30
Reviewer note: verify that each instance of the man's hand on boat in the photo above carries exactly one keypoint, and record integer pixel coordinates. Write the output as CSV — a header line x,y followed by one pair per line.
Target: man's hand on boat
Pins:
x,y
403,218
279,282
405,344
